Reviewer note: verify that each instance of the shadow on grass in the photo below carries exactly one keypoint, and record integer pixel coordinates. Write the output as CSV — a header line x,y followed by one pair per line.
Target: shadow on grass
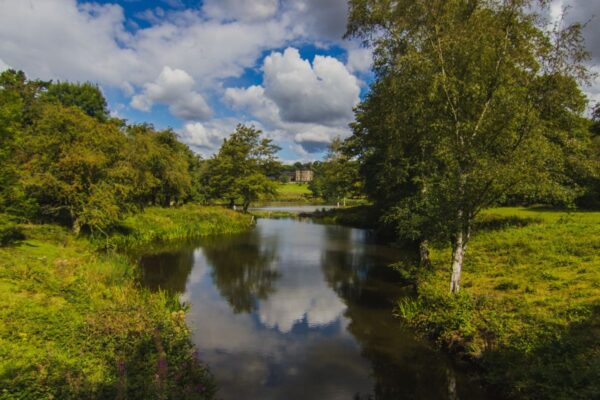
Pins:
x,y
495,222
562,364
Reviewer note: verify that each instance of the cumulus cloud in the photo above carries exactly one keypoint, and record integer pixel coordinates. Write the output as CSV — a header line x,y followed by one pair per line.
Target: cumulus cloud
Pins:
x,y
323,20
175,88
360,59
324,92
303,103
52,39
254,101
243,10
207,137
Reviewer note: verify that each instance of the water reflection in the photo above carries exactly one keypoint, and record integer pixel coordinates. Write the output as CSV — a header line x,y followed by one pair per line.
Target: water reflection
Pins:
x,y
297,310
243,269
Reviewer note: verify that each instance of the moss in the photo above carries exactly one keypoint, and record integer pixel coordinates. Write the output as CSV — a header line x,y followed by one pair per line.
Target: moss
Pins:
x,y
531,288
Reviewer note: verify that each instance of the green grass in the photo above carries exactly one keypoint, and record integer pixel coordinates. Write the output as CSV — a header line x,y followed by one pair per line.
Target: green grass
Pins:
x,y
75,324
295,192
168,224
529,311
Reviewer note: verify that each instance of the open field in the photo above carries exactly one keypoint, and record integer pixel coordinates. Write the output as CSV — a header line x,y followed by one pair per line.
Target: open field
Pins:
x,y
294,192
529,310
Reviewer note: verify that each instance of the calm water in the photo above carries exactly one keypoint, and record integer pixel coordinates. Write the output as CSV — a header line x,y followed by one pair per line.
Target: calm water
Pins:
x,y
297,310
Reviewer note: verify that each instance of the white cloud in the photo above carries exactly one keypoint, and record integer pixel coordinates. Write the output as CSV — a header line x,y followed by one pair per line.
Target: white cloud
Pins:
x,y
175,88
242,10
52,39
207,137
360,59
301,103
253,100
324,92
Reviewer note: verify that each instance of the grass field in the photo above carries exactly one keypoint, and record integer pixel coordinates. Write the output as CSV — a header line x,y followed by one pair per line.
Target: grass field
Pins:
x,y
529,311
75,324
167,224
294,192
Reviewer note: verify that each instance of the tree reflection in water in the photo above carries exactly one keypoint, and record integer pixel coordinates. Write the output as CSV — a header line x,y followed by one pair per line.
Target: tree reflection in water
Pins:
x,y
167,270
244,275
298,310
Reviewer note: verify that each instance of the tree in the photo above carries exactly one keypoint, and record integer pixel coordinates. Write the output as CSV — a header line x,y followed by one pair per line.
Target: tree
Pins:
x,y
336,178
245,167
85,96
67,167
472,99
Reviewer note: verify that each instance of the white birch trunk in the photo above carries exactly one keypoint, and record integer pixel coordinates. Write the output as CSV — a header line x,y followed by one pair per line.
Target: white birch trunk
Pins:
x,y
458,255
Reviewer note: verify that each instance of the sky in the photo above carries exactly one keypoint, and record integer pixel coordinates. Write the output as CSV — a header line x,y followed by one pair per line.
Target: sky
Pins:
x,y
202,67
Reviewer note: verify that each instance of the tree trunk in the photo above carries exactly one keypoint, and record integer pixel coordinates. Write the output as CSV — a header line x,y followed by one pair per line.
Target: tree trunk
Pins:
x,y
458,255
424,260
76,227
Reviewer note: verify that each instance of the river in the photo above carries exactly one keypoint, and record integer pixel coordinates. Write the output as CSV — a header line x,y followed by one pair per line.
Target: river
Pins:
x,y
299,310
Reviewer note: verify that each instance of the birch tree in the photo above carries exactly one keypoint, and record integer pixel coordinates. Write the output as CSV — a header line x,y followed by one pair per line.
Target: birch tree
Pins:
x,y
472,99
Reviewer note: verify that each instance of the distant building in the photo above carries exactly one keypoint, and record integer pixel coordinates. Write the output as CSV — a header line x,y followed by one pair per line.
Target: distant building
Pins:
x,y
302,176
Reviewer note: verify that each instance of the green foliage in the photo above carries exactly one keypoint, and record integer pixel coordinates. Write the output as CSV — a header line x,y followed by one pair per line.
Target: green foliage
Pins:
x,y
472,101
337,177
528,312
9,231
85,96
244,168
63,159
359,217
75,325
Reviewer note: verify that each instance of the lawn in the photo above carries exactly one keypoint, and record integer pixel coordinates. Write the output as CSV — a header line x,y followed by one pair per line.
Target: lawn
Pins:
x,y
294,192
529,311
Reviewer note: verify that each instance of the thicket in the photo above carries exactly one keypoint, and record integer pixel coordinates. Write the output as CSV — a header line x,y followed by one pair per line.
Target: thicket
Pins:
x,y
64,159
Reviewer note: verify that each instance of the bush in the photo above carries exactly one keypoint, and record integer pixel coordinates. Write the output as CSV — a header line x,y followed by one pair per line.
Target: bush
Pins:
x,y
9,231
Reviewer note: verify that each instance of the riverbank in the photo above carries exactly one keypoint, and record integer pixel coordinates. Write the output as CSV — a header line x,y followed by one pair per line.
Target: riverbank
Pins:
x,y
183,223
362,216
75,323
529,310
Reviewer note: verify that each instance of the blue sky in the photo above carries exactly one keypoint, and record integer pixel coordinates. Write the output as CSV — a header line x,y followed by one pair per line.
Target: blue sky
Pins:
x,y
202,67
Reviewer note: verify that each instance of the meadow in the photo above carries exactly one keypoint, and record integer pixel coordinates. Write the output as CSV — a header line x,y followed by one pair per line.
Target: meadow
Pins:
x,y
528,313
76,323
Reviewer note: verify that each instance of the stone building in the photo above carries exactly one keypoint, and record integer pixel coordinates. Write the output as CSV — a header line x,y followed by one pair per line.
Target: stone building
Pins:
x,y
303,176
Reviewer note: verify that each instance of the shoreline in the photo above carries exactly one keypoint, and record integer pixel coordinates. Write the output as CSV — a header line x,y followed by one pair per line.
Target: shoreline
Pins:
x,y
78,325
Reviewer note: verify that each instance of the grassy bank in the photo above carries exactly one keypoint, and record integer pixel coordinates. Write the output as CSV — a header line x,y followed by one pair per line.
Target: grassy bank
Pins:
x,y
529,311
295,193
357,217
168,224
76,325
